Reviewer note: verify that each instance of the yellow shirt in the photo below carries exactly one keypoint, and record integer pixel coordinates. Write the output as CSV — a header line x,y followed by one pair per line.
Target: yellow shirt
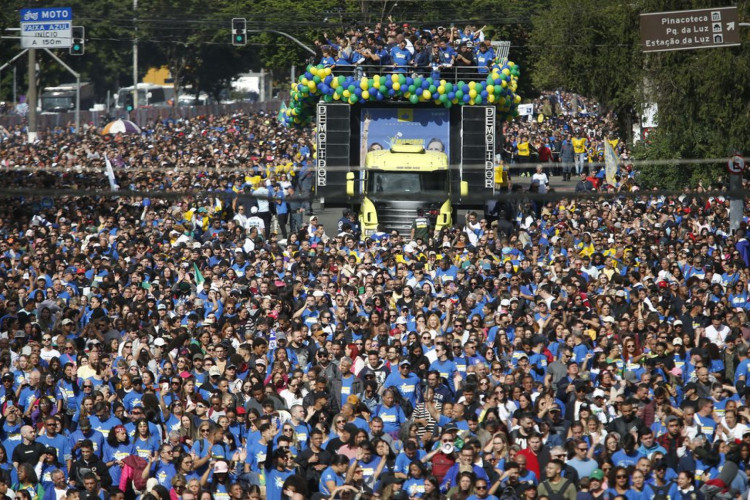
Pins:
x,y
523,149
579,145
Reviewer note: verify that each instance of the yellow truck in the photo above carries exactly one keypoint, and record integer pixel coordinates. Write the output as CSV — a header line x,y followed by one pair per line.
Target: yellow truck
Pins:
x,y
387,162
396,182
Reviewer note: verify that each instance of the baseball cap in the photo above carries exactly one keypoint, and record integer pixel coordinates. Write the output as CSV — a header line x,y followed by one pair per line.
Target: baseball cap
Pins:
x,y
597,474
598,393
221,467
160,342
404,363
214,372
677,341
67,321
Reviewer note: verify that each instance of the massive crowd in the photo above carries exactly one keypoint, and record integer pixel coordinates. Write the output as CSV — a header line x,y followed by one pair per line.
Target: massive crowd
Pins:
x,y
226,345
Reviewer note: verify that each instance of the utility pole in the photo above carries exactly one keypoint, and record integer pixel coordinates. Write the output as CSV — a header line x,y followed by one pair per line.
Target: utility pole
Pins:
x,y
31,96
135,55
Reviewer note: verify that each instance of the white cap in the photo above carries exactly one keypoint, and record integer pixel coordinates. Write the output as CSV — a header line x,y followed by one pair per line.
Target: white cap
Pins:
x,y
505,303
598,393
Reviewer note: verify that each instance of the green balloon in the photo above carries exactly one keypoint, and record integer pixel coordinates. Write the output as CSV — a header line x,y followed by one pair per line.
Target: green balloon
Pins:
x,y
418,82
459,94
412,88
447,103
316,79
443,98
448,87
401,79
432,89
478,99
341,80
340,90
353,99
414,99
328,98
498,89
370,83
351,89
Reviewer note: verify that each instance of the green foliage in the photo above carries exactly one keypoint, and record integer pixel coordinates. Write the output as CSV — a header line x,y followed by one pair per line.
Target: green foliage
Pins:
x,y
588,47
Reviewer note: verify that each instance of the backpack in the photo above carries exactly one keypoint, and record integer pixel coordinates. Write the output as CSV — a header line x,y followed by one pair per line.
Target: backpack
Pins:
x,y
661,492
552,495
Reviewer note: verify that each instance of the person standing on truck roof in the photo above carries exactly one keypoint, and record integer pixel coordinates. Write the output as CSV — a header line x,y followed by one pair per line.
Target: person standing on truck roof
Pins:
x,y
420,228
401,57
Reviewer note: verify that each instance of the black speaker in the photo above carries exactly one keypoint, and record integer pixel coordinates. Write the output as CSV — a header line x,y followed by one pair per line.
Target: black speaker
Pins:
x,y
333,152
478,137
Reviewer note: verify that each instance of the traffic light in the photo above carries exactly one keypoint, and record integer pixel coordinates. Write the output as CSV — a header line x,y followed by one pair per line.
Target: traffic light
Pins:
x,y
129,101
78,42
239,31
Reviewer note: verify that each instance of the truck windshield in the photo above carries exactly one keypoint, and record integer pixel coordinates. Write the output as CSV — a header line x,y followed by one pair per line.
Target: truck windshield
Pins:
x,y
58,103
408,182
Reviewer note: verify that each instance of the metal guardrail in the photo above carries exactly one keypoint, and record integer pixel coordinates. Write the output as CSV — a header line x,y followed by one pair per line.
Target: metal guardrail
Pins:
x,y
452,74
141,115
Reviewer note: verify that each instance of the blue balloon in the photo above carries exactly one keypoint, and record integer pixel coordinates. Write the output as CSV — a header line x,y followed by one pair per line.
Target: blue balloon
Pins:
x,y
425,83
451,96
466,98
388,83
483,94
409,80
308,75
379,96
391,92
358,91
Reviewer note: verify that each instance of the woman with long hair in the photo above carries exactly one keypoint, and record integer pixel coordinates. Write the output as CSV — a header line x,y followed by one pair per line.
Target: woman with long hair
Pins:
x,y
619,482
28,482
464,487
145,444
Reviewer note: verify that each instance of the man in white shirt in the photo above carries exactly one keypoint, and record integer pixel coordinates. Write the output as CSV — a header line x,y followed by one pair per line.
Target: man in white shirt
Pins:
x,y
717,332
541,178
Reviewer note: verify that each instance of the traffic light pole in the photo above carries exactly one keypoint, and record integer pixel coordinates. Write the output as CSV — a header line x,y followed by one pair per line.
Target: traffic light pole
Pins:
x,y
78,88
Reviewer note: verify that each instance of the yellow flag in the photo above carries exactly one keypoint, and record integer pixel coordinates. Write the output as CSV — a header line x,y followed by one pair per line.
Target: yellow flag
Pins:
x,y
405,115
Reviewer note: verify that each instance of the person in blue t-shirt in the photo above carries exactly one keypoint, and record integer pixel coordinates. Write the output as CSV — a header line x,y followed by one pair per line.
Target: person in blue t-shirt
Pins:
x,y
334,475
405,381
401,57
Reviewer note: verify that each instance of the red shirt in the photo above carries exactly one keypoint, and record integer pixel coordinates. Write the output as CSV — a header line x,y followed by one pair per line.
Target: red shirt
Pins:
x,y
532,462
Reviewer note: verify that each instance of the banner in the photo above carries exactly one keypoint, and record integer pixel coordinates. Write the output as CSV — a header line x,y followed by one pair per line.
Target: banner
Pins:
x,y
381,128
610,163
110,174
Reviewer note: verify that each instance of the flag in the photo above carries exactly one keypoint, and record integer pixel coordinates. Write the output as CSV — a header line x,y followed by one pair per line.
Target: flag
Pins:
x,y
282,111
610,163
110,174
199,279
405,115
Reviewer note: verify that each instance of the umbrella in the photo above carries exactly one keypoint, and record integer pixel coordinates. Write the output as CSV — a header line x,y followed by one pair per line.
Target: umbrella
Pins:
x,y
121,127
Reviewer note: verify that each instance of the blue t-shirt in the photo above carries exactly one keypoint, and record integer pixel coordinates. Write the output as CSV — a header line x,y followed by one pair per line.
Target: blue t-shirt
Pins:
x,y
329,475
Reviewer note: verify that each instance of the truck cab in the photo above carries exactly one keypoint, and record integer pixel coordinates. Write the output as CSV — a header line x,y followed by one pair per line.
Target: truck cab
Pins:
x,y
398,181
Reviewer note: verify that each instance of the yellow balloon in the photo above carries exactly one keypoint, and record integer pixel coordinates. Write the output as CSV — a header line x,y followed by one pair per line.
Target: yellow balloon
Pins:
x,y
396,85
363,83
442,83
490,89
441,90
491,98
517,99
336,97
346,94
312,85
314,71
472,85
503,84
506,72
365,94
426,95
304,81
375,84
394,77
334,83
472,93
327,71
